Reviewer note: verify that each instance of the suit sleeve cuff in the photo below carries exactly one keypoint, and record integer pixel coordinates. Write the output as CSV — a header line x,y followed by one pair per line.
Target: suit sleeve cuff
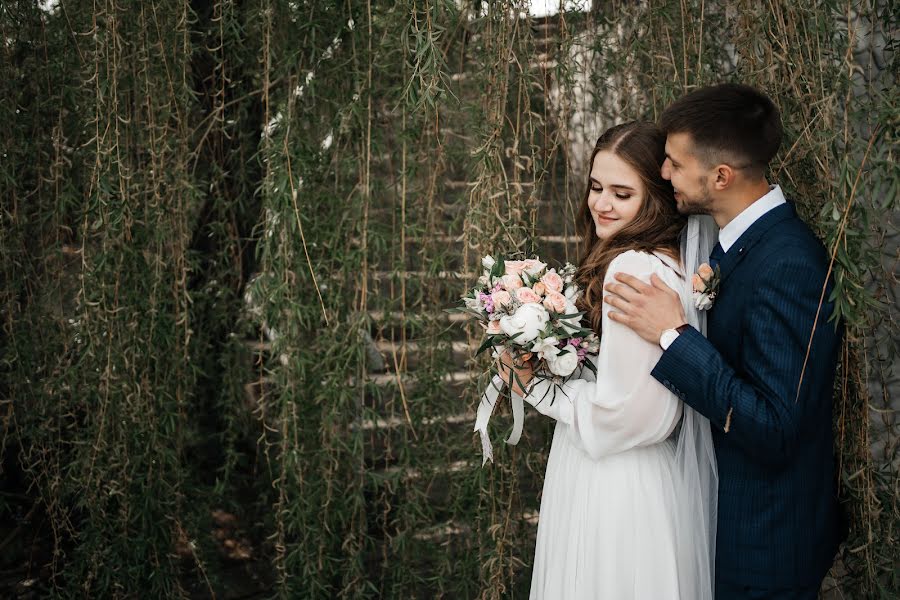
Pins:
x,y
685,369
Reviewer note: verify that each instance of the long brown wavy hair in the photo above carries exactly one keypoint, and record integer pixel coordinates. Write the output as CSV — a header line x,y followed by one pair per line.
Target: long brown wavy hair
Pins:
x,y
656,226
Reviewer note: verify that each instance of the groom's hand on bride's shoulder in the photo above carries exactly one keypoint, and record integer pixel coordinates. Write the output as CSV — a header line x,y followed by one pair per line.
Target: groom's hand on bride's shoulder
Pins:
x,y
647,309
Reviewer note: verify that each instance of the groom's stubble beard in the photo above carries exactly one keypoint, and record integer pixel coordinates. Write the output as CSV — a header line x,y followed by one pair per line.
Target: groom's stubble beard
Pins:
x,y
696,206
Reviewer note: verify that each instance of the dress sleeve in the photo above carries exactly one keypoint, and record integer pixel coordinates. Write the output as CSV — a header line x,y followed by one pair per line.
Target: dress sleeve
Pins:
x,y
625,407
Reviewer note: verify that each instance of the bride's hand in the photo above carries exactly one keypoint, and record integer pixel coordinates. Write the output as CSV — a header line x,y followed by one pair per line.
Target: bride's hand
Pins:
x,y
522,367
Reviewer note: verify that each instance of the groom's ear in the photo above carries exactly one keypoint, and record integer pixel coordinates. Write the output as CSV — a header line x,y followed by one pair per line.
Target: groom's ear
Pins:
x,y
723,177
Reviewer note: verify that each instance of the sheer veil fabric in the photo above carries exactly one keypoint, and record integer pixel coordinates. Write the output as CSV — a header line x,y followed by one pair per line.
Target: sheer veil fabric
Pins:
x,y
697,477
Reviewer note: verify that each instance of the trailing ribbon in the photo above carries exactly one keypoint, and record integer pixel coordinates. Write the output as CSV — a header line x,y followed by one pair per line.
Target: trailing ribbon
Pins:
x,y
486,408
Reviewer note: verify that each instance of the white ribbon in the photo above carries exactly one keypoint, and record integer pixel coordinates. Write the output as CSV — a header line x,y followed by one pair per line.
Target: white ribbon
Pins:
x,y
486,408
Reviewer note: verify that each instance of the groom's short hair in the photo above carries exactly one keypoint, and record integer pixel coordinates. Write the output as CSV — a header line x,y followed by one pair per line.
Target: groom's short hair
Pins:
x,y
728,123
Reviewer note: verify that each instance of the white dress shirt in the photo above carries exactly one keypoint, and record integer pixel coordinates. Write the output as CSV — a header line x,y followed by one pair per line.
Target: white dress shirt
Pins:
x,y
729,234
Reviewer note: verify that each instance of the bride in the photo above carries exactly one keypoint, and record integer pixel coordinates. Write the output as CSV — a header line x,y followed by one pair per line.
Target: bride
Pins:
x,y
629,497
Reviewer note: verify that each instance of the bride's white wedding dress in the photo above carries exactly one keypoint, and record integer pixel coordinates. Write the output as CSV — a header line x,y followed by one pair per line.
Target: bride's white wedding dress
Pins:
x,y
607,526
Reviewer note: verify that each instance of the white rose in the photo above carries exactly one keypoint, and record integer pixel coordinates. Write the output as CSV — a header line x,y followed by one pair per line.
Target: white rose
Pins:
x,y
563,364
533,266
474,303
546,348
702,301
488,262
529,319
570,324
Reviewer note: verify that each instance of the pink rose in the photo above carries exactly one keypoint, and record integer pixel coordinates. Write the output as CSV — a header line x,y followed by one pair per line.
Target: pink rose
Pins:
x,y
539,288
501,298
697,283
553,281
525,295
494,327
514,267
512,282
555,302
705,271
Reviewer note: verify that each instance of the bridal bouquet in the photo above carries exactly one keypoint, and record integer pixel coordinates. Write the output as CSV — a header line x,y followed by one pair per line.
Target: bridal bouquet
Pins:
x,y
529,309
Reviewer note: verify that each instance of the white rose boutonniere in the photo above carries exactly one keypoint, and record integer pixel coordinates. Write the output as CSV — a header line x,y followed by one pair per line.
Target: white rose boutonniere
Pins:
x,y
705,284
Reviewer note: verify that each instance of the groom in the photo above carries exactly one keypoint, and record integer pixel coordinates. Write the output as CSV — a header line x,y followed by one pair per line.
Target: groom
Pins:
x,y
764,377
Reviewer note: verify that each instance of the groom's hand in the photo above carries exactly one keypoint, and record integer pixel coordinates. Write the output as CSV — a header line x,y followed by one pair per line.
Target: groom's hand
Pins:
x,y
647,309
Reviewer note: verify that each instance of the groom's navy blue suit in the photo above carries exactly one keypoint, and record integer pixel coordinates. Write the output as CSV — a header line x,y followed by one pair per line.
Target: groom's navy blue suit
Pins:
x,y
778,525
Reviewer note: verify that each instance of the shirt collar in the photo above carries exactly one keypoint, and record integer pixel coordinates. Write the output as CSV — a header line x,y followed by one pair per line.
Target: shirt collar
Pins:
x,y
729,234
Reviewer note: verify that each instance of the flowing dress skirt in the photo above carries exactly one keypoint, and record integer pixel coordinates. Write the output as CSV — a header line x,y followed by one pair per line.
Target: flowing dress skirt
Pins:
x,y
606,529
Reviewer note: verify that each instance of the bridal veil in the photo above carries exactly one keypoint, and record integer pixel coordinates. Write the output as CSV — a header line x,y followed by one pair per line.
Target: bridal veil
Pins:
x,y
697,478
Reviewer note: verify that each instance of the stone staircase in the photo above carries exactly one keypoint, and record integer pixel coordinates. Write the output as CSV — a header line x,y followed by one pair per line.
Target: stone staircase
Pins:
x,y
421,388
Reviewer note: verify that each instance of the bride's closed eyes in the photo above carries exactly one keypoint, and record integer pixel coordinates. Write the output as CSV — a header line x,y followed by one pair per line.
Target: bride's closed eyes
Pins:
x,y
596,187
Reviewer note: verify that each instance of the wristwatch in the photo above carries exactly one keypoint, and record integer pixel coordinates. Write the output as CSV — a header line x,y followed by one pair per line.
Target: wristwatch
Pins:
x,y
668,336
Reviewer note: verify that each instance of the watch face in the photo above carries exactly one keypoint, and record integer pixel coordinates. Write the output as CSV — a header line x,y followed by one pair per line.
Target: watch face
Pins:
x,y
668,336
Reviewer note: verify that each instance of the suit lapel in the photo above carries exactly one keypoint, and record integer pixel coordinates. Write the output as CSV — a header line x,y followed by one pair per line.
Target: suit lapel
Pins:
x,y
754,234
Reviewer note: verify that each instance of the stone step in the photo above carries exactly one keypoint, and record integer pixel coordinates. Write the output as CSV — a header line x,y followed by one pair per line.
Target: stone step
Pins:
x,y
384,435
551,229
387,356
409,354
409,474
445,239
442,287
383,390
394,316
451,212
422,251
377,423
418,318
542,63
440,481
422,275
453,201
376,419
431,327
455,528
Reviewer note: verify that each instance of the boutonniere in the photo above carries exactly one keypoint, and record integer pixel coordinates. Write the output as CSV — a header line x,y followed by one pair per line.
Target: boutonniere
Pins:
x,y
706,285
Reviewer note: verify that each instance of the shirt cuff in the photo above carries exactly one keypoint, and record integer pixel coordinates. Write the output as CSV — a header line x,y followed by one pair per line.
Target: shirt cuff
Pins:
x,y
668,337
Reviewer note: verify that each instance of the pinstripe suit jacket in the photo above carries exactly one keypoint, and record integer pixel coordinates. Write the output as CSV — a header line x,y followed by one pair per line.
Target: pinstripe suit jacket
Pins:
x,y
778,522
